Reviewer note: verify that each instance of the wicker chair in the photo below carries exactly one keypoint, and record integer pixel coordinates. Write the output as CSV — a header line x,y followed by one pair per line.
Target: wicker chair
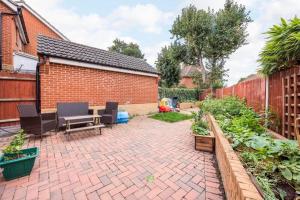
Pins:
x,y
34,123
109,114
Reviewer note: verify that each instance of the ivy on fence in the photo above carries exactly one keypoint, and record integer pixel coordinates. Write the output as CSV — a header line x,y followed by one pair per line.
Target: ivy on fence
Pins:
x,y
183,94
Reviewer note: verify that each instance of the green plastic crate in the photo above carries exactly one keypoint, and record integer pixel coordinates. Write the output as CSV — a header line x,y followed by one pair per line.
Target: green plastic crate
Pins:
x,y
19,167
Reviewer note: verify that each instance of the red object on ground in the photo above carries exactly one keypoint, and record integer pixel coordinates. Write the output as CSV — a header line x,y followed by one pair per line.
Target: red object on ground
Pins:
x,y
164,109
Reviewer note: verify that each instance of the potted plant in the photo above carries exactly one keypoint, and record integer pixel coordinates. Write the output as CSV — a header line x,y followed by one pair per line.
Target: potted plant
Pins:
x,y
17,162
204,138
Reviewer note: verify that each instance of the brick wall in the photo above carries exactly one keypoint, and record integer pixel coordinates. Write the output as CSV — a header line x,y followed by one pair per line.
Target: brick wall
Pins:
x,y
63,83
187,82
236,181
11,39
8,24
35,27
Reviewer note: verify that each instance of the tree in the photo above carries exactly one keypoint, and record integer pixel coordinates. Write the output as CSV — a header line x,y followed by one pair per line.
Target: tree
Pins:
x,y
168,64
227,35
212,36
193,26
129,49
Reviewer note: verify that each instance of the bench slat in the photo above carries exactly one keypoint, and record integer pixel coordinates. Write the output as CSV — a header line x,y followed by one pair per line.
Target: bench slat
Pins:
x,y
85,128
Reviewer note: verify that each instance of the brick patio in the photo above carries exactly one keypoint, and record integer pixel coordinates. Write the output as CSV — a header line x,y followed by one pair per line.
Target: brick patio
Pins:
x,y
119,164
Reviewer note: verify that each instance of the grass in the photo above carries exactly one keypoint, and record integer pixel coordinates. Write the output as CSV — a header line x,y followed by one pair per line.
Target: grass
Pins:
x,y
171,117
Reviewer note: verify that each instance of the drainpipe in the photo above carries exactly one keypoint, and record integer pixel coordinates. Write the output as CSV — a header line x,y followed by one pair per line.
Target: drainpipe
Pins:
x,y
38,83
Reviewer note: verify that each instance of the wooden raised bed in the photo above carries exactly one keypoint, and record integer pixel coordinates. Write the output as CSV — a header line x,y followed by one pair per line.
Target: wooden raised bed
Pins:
x,y
237,183
205,142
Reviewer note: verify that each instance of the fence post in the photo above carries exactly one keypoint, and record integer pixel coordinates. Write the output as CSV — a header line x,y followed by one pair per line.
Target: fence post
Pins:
x,y
266,100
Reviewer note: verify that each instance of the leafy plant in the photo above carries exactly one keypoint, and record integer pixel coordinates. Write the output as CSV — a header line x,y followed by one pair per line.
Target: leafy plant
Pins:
x,y
12,151
270,160
282,49
200,127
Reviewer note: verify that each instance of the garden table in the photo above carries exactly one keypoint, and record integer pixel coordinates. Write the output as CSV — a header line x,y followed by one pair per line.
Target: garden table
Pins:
x,y
70,121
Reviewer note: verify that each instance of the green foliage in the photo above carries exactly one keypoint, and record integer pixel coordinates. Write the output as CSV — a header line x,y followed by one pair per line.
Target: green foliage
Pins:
x,y
15,145
270,160
183,94
212,36
171,117
199,126
168,64
282,49
129,49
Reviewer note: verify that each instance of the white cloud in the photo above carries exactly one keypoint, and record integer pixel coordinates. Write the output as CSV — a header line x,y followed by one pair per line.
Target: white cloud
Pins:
x,y
152,51
99,31
266,14
148,17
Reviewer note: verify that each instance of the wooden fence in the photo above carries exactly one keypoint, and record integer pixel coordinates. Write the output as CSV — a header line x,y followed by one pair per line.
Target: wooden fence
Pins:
x,y
15,88
253,91
284,96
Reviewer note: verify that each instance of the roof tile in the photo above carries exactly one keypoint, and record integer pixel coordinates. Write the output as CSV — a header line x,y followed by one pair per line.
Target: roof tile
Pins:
x,y
78,52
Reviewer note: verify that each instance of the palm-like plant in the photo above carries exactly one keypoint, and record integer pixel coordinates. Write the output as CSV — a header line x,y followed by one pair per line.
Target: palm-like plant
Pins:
x,y
282,49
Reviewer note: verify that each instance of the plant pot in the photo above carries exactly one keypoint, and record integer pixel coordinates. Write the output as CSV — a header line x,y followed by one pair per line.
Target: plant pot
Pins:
x,y
205,142
19,167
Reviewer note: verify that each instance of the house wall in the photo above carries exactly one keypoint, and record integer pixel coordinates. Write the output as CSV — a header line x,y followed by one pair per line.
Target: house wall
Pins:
x,y
187,82
8,32
11,41
137,94
34,28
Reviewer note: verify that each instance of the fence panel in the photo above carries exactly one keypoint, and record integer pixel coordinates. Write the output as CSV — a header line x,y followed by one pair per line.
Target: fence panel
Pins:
x,y
15,89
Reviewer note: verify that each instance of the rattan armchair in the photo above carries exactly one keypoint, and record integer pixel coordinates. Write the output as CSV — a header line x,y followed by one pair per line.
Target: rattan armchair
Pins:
x,y
33,123
109,114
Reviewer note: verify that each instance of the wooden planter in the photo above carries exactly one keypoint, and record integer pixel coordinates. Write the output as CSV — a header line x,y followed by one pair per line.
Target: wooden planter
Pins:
x,y
205,142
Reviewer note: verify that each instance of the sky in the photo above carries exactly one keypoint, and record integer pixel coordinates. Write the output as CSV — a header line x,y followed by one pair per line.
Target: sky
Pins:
x,y
98,22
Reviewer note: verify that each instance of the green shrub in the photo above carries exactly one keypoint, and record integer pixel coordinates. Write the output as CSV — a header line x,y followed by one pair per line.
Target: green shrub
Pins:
x,y
183,94
282,49
15,145
200,127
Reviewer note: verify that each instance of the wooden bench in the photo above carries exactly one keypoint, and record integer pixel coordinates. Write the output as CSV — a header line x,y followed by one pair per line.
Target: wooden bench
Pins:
x,y
95,122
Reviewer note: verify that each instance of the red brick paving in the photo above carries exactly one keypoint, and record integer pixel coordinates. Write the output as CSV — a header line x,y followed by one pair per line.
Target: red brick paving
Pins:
x,y
117,165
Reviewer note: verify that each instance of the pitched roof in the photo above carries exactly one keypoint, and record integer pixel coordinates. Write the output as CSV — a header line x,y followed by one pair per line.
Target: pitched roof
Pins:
x,y
189,70
78,52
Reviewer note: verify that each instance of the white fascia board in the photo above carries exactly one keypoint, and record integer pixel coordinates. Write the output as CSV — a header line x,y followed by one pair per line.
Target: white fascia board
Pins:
x,y
37,15
20,53
10,5
95,66
21,30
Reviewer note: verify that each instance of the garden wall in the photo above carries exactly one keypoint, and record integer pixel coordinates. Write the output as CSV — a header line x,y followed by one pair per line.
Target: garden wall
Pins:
x,y
236,181
65,83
